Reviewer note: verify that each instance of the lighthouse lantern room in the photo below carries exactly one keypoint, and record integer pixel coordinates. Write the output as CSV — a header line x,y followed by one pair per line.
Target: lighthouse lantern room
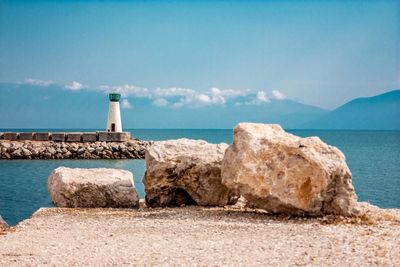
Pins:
x,y
114,114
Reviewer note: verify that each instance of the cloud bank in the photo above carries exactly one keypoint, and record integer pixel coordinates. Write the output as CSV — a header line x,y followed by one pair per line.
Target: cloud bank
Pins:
x,y
179,96
74,86
36,82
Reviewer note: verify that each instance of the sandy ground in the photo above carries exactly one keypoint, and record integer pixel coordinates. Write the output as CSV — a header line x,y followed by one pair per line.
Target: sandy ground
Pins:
x,y
198,236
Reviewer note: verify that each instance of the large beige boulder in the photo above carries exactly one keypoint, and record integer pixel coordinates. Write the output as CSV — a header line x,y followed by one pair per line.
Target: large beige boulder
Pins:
x,y
185,172
92,188
283,173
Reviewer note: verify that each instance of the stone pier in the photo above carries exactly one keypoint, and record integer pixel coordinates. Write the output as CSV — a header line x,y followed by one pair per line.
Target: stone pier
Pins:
x,y
67,137
28,149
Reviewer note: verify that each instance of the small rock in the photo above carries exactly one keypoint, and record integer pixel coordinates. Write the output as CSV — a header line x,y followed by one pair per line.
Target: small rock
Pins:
x,y
92,188
25,152
5,144
51,150
17,153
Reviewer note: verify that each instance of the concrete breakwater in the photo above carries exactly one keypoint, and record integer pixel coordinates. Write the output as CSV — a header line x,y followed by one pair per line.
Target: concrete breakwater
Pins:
x,y
67,137
132,149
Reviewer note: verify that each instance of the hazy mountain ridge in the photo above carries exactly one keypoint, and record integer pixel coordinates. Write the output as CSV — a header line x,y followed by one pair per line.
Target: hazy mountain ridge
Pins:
x,y
377,112
29,106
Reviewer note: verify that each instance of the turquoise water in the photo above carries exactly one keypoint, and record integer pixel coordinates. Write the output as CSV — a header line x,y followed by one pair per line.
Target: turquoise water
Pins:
x,y
373,158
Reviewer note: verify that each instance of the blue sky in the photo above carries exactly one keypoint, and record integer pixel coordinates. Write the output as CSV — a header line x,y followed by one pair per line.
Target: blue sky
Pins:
x,y
322,53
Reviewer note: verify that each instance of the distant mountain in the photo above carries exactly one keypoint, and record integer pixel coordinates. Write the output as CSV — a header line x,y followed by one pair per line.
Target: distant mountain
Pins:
x,y
378,112
285,112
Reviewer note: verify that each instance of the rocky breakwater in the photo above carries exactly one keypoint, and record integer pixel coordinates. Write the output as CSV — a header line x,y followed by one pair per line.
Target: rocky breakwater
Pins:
x,y
92,188
185,172
132,149
283,173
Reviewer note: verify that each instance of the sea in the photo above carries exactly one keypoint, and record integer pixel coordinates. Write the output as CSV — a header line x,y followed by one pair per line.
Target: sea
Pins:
x,y
372,156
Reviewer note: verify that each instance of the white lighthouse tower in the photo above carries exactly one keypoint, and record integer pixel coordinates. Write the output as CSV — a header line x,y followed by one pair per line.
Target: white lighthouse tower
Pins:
x,y
114,114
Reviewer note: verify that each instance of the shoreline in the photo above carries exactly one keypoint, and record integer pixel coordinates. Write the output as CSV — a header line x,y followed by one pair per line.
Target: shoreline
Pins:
x,y
199,236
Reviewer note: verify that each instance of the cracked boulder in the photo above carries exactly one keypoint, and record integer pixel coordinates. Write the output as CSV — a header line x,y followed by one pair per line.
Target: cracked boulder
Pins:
x,y
92,188
185,172
283,173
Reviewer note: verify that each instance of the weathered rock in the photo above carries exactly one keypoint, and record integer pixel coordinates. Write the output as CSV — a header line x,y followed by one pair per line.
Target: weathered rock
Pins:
x,y
92,188
183,171
283,173
26,152
5,144
51,150
17,153
99,150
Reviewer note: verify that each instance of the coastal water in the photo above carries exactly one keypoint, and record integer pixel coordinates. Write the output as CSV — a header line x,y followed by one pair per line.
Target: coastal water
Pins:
x,y
373,158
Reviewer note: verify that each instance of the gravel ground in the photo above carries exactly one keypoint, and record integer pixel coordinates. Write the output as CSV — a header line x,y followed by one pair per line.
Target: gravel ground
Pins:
x,y
199,236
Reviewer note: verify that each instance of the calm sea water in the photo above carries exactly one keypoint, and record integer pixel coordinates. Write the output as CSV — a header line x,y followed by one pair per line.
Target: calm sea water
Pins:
x,y
373,157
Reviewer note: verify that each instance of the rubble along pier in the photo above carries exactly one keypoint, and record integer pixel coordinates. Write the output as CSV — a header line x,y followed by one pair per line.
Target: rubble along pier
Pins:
x,y
72,145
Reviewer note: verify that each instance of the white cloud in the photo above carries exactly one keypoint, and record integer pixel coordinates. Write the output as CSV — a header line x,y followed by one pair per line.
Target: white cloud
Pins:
x,y
191,97
127,90
126,104
74,86
184,101
219,99
254,99
160,102
38,82
278,95
178,96
229,93
173,91
217,96
203,98
262,97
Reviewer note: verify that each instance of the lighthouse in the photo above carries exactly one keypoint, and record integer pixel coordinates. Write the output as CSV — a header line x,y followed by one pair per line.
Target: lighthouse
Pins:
x,y
114,114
